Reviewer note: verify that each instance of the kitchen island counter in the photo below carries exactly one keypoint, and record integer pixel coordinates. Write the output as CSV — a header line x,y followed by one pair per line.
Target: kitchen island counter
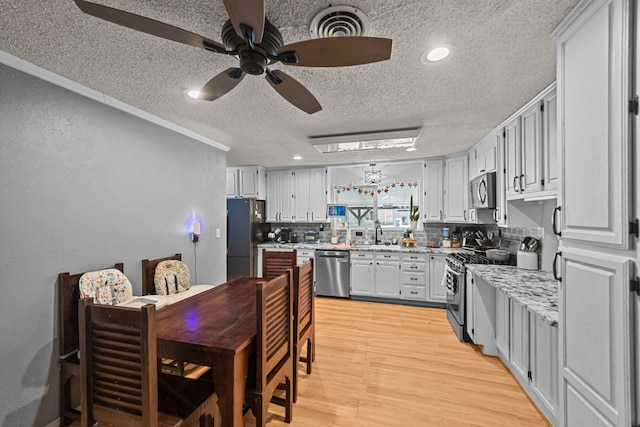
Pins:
x,y
537,290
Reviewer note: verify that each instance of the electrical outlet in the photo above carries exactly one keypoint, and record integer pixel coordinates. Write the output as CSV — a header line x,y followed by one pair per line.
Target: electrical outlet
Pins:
x,y
217,233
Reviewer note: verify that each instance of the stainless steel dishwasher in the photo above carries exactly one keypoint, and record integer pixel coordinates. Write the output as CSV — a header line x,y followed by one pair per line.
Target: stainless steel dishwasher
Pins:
x,y
332,273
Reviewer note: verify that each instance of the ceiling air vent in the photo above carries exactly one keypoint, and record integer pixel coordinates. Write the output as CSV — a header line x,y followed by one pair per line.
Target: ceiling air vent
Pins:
x,y
340,20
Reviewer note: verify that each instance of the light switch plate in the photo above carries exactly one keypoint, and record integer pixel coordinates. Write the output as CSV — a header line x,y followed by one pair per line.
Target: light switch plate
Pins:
x,y
217,233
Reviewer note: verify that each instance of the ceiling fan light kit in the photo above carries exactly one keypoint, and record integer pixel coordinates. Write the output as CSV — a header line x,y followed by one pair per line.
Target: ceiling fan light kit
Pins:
x,y
258,44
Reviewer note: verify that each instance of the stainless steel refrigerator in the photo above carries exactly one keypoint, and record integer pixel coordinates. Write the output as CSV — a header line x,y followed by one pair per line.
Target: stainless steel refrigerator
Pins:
x,y
245,230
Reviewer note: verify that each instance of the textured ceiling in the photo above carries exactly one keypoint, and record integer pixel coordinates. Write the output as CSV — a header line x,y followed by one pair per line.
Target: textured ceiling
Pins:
x,y
504,55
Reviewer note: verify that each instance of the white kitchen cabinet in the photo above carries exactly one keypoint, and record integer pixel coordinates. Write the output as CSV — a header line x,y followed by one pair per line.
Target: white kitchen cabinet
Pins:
x,y
502,326
594,139
594,201
310,195
433,190
519,340
246,182
279,196
594,340
500,213
387,274
482,157
362,273
550,168
523,152
469,305
543,366
437,290
480,307
456,189
414,274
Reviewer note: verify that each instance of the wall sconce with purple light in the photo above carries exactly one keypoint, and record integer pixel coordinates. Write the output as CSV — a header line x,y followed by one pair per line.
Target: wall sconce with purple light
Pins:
x,y
195,234
193,227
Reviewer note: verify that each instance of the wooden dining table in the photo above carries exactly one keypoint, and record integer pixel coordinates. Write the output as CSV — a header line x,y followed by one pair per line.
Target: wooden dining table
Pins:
x,y
215,328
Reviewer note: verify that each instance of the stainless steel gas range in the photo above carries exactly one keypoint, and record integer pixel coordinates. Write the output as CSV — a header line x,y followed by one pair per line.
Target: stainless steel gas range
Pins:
x,y
455,276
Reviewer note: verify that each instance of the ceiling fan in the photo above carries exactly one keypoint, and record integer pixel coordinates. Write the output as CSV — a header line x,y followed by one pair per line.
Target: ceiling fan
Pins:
x,y
257,44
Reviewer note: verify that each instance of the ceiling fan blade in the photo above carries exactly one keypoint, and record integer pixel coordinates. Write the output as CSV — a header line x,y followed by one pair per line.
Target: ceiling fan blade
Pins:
x,y
247,15
221,84
293,91
336,51
149,26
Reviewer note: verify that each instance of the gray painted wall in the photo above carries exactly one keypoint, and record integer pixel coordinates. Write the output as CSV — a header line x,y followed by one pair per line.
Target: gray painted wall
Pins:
x,y
83,186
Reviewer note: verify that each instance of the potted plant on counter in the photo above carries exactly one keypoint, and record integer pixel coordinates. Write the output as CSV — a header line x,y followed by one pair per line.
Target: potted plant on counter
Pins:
x,y
414,216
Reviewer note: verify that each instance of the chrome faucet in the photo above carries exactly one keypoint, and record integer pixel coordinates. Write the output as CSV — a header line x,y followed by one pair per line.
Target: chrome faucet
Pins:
x,y
378,241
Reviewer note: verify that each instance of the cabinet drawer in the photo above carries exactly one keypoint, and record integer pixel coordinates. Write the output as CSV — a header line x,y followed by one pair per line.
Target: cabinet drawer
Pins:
x,y
414,278
305,253
386,256
411,258
361,256
414,292
413,266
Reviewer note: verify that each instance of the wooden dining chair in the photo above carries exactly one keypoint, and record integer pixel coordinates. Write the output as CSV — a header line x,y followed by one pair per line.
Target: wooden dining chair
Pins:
x,y
274,349
305,329
68,297
275,263
121,384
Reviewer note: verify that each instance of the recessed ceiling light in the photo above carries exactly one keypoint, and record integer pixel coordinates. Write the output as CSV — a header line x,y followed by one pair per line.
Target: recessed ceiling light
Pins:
x,y
435,55
297,157
193,94
411,149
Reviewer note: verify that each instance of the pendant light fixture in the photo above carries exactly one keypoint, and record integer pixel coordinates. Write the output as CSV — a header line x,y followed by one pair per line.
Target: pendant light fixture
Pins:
x,y
373,176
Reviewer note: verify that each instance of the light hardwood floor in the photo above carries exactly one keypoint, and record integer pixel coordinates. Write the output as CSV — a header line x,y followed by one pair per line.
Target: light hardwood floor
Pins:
x,y
391,365
386,365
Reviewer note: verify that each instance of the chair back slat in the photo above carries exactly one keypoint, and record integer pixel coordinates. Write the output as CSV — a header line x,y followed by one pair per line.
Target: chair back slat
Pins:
x,y
119,361
303,305
274,340
275,263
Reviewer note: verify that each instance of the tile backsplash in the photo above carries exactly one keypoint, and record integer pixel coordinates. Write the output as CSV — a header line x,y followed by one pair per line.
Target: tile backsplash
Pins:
x,y
431,232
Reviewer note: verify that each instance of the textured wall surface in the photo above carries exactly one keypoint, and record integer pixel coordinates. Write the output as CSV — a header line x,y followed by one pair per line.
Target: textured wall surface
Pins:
x,y
83,186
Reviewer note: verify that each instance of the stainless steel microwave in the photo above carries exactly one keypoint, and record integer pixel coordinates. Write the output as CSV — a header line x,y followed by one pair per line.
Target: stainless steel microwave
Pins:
x,y
483,191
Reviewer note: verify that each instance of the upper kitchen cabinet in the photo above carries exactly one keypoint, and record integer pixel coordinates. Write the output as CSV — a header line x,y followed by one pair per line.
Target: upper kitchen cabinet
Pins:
x,y
594,91
246,182
310,195
280,196
433,190
482,157
530,143
456,189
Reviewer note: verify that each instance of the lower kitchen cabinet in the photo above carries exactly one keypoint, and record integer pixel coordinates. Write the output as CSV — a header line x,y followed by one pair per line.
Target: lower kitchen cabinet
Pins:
x,y
519,340
543,366
533,358
437,290
387,275
502,325
362,273
413,275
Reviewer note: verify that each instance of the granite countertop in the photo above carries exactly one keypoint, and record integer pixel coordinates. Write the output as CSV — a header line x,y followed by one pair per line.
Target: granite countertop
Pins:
x,y
537,290
368,248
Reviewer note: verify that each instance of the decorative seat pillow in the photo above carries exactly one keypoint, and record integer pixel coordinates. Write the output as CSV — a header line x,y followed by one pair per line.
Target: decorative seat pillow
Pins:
x,y
172,277
108,286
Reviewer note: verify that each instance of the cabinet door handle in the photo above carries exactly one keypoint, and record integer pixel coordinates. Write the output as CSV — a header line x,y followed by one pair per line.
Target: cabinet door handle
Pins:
x,y
515,187
520,183
414,292
312,216
440,214
413,278
464,214
307,216
415,267
554,218
555,266
495,215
